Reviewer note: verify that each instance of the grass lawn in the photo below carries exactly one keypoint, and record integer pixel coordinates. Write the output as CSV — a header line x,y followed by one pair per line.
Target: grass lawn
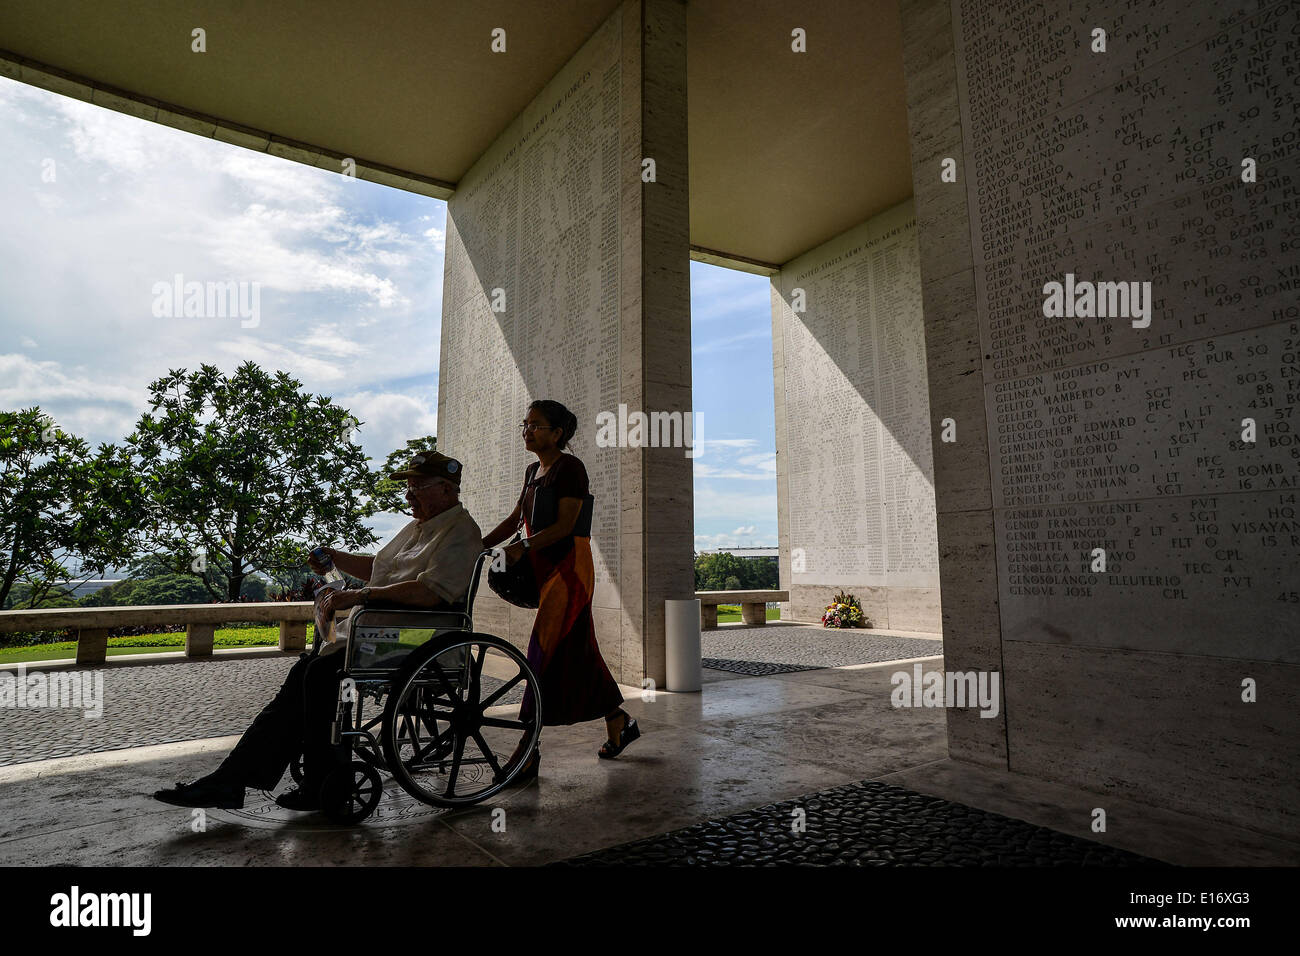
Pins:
x,y
730,613
149,644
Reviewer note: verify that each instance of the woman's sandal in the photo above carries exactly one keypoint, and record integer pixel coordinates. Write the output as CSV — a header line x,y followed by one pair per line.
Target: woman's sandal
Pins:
x,y
529,772
630,732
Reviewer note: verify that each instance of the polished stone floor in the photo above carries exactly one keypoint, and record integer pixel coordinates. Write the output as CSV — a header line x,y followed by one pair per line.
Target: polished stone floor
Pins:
x,y
744,742
148,700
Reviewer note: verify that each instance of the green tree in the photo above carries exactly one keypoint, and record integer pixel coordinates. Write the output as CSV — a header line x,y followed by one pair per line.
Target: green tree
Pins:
x,y
212,578
392,494
163,589
713,570
765,574
250,471
60,504
20,598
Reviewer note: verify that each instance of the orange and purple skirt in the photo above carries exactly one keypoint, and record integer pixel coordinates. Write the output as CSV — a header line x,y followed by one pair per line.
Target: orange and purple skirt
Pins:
x,y
576,684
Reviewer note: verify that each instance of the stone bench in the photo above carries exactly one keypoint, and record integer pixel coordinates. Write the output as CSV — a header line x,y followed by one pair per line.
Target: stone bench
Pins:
x,y
753,605
92,623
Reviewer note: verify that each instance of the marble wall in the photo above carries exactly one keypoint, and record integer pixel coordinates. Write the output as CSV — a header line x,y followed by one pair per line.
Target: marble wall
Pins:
x,y
1117,430
855,485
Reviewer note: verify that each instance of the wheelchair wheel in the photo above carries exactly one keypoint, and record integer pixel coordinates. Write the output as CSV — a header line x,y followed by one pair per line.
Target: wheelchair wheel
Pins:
x,y
295,769
350,793
451,720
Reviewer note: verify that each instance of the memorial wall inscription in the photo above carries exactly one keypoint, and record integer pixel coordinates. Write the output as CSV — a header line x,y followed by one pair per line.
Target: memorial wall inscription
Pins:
x,y
537,219
860,485
1127,166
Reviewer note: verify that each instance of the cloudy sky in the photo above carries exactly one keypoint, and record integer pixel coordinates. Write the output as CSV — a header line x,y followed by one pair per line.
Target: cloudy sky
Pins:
x,y
101,206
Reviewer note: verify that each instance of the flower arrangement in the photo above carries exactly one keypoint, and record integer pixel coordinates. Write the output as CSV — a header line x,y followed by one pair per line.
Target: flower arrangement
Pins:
x,y
844,611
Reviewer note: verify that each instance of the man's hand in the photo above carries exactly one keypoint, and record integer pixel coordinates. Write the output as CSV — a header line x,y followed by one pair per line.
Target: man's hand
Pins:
x,y
316,565
334,601
514,552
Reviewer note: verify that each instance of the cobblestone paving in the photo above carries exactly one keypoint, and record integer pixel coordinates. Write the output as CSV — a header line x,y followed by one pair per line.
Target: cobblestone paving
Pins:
x,y
806,648
755,668
864,824
146,705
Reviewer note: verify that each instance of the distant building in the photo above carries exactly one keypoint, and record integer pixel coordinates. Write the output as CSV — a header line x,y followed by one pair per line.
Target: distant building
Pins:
x,y
744,552
89,587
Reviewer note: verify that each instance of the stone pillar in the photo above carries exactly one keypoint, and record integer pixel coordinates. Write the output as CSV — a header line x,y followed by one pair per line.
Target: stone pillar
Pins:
x,y
962,490
199,639
293,635
92,645
708,617
567,278
753,613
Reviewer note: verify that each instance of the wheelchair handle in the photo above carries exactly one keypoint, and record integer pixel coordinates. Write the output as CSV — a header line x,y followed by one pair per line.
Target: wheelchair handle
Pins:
x,y
483,557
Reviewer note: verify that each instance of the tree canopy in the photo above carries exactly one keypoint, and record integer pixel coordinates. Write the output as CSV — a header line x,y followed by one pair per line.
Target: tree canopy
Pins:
x,y
246,472
60,504
723,571
392,494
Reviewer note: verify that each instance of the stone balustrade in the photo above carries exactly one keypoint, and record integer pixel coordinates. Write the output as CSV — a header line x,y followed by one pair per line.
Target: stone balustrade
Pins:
x,y
93,623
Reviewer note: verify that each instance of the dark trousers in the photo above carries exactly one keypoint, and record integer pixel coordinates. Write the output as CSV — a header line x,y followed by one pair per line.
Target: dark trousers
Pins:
x,y
296,722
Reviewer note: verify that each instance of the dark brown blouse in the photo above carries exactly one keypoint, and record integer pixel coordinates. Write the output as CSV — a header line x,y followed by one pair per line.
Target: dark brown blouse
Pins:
x,y
567,476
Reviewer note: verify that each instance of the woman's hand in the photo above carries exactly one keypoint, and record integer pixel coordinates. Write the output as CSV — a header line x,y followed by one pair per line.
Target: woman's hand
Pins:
x,y
513,553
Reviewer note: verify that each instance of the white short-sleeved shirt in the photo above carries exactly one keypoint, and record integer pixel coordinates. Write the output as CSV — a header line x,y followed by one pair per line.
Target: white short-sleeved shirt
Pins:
x,y
439,552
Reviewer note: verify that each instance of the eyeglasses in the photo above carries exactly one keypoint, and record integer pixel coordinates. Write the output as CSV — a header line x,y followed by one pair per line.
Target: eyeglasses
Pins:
x,y
428,484
530,427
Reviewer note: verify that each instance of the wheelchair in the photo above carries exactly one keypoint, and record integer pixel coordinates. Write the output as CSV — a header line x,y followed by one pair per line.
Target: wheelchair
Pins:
x,y
429,701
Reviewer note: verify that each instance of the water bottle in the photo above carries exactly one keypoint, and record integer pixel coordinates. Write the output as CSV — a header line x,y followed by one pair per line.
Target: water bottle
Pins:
x,y
333,576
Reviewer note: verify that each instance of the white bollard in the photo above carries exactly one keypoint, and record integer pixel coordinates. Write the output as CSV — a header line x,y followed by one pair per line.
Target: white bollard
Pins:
x,y
682,636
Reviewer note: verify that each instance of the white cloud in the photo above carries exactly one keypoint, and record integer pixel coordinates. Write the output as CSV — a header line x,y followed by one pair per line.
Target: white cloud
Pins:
x,y
720,443
717,505
390,419
350,285
730,341
84,405
706,542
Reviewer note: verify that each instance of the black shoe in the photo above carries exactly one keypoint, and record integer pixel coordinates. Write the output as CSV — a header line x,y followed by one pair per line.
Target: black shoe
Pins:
x,y
303,798
630,732
528,773
204,793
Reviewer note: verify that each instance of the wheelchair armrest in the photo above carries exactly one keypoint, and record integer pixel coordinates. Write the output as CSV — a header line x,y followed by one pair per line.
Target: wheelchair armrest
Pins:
x,y
392,614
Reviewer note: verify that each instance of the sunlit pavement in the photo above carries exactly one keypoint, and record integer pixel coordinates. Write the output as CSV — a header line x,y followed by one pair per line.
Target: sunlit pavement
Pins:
x,y
743,742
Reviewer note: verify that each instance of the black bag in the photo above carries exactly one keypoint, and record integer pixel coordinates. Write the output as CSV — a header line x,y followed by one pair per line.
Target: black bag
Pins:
x,y
517,584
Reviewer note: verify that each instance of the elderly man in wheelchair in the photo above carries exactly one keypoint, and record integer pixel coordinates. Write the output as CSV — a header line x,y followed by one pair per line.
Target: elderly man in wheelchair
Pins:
x,y
406,687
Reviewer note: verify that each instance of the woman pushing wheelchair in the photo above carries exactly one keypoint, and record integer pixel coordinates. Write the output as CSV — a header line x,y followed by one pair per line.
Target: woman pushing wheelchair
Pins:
x,y
576,685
